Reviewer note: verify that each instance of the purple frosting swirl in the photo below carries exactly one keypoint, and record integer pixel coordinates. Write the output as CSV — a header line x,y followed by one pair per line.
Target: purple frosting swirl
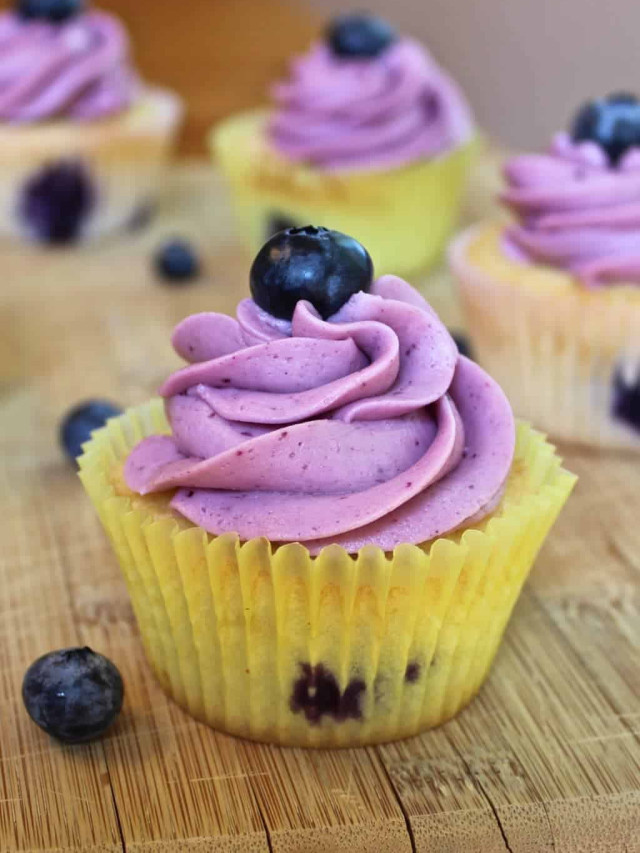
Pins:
x,y
380,113
366,428
77,69
576,211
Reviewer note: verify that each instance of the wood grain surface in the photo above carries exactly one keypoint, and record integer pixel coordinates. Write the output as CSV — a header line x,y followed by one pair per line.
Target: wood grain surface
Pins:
x,y
547,758
220,55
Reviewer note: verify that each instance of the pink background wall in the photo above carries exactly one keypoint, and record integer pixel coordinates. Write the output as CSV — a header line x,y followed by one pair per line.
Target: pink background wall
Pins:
x,y
525,64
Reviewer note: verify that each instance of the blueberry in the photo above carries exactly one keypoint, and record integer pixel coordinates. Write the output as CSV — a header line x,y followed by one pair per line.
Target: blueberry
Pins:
x,y
412,672
73,694
177,261
54,11
324,267
463,344
359,36
622,98
612,122
81,421
317,694
56,202
626,398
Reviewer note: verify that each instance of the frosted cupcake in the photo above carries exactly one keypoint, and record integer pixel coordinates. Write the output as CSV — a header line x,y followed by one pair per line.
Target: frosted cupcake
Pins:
x,y
368,133
83,142
325,529
553,299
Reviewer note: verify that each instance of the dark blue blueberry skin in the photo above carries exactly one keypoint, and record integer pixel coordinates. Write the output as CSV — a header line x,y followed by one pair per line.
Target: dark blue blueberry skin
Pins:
x,y
316,694
626,400
324,267
177,262
359,36
57,201
412,673
612,122
73,694
81,421
463,344
54,11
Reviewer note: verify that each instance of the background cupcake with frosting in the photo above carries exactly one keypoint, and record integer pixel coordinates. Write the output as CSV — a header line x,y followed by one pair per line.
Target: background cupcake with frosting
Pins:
x,y
83,141
325,527
553,298
368,133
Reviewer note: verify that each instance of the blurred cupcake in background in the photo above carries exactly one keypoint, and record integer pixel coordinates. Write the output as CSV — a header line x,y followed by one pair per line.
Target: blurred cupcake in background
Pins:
x,y
83,141
553,299
367,133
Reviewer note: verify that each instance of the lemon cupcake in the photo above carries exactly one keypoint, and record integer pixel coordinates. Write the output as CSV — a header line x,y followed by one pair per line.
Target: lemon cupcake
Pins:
x,y
553,299
83,142
368,133
325,529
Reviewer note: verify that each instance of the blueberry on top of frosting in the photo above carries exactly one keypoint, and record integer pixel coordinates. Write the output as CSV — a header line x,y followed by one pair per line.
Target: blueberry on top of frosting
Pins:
x,y
54,11
612,122
359,36
312,263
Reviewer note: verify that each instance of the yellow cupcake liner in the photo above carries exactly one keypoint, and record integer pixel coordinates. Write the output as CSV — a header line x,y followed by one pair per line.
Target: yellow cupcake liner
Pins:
x,y
553,345
403,216
337,650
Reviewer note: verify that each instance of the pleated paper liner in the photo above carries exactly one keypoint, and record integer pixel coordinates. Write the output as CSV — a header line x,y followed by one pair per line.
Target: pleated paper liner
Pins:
x,y
404,216
337,650
554,346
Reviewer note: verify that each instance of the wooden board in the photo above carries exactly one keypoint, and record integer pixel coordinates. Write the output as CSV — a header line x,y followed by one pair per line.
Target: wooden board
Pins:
x,y
546,759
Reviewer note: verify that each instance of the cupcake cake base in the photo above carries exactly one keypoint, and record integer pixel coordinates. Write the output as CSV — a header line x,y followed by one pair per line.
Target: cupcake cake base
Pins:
x,y
404,216
62,182
567,357
271,644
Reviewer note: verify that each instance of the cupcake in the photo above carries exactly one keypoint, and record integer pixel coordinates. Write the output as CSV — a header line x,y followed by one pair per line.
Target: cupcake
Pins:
x,y
326,526
552,296
83,142
367,133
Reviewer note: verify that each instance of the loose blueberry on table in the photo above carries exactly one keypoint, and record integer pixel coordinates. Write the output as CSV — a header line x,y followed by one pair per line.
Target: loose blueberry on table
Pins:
x,y
612,122
626,398
463,344
359,36
81,421
73,694
324,267
177,262
54,11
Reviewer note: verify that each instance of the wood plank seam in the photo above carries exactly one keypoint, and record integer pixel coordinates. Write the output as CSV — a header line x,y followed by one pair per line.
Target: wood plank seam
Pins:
x,y
264,821
405,814
114,801
494,809
539,603
552,836
485,794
